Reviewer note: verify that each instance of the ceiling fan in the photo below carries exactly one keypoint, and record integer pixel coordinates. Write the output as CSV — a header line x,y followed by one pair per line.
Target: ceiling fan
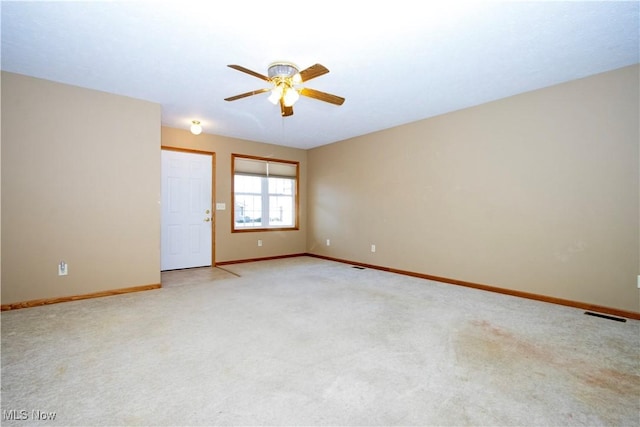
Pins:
x,y
286,83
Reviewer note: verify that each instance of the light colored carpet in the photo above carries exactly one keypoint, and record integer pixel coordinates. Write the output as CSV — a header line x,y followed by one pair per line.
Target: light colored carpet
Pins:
x,y
304,341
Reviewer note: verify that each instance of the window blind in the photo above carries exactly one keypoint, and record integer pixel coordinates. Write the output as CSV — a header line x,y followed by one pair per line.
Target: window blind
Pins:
x,y
247,166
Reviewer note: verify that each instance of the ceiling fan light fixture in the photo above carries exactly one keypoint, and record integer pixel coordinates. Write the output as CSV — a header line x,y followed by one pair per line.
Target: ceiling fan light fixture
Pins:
x,y
196,128
276,94
290,96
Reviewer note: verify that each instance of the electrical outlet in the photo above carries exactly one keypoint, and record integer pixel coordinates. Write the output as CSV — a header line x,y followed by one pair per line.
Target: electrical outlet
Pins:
x,y
63,269
259,242
638,282
373,248
328,242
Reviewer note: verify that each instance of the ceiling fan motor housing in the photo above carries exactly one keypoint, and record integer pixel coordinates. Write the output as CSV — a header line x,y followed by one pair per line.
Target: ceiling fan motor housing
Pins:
x,y
282,70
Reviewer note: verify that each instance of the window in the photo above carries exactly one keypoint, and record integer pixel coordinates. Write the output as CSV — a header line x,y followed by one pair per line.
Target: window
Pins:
x,y
265,193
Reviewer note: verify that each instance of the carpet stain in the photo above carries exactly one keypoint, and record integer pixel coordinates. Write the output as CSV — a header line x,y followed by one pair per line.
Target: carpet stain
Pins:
x,y
61,370
516,364
496,342
612,380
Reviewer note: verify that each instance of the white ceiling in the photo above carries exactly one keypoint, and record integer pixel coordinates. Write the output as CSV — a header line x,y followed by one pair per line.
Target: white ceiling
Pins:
x,y
395,62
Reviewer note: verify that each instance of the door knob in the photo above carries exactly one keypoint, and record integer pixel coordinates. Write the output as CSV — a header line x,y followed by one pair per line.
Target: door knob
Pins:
x,y
207,219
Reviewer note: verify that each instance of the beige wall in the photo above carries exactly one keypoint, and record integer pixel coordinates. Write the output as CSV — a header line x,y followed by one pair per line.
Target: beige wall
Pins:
x,y
80,183
241,246
536,193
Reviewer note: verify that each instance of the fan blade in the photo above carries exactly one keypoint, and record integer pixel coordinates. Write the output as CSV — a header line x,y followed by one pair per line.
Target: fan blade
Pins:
x,y
248,71
285,111
312,72
244,95
322,96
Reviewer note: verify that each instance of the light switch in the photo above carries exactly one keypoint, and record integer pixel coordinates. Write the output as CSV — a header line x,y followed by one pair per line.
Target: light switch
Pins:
x,y
221,206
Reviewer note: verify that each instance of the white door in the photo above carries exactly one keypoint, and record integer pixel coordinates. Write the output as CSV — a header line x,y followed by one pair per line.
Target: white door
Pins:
x,y
187,210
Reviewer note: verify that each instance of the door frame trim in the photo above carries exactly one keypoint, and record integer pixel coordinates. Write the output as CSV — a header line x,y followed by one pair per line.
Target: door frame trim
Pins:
x,y
213,192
